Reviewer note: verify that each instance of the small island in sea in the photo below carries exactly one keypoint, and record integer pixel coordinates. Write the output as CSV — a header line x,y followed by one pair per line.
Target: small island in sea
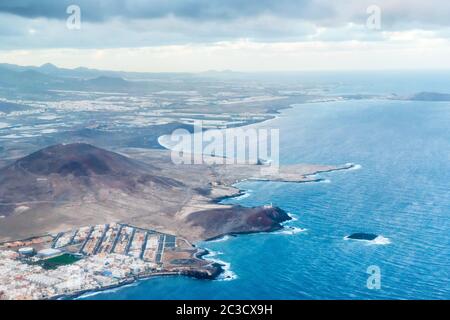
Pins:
x,y
94,219
362,236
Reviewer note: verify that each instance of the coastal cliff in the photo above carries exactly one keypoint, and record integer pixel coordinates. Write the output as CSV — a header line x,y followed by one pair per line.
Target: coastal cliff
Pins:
x,y
216,223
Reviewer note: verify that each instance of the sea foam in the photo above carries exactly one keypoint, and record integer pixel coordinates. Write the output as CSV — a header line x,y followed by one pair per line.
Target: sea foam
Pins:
x,y
380,240
245,194
221,239
111,290
227,274
353,166
293,217
291,230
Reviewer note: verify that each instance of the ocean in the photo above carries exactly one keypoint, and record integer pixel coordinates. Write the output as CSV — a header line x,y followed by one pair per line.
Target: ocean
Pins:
x,y
400,190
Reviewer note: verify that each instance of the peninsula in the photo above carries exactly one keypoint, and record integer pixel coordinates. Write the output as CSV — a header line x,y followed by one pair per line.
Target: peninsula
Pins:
x,y
94,218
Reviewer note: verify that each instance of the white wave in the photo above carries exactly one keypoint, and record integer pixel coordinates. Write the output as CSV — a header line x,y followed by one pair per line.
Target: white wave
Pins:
x,y
163,142
212,254
244,195
90,294
291,230
315,180
112,290
380,240
293,217
227,274
221,239
353,166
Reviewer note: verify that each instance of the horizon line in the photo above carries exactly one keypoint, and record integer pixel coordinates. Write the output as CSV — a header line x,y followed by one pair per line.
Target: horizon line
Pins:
x,y
235,70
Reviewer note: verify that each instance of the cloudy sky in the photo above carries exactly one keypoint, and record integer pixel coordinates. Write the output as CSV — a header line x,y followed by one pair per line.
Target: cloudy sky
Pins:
x,y
242,35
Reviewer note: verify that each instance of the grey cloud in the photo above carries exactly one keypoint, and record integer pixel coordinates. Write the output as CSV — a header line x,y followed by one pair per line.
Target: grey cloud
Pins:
x,y
133,23
100,10
328,12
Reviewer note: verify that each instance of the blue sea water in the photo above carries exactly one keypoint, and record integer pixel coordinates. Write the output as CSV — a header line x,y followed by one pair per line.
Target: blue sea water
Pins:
x,y
401,191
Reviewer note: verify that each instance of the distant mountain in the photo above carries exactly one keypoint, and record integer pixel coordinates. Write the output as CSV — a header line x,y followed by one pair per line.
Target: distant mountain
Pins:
x,y
23,79
87,73
13,67
430,96
48,68
32,82
50,77
107,83
77,73
43,82
52,70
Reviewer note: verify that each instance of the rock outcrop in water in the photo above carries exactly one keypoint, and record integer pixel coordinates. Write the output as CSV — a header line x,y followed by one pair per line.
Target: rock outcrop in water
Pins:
x,y
362,236
238,220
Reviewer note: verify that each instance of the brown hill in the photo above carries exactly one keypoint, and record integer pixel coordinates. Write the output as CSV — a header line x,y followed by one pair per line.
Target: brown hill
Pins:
x,y
71,173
